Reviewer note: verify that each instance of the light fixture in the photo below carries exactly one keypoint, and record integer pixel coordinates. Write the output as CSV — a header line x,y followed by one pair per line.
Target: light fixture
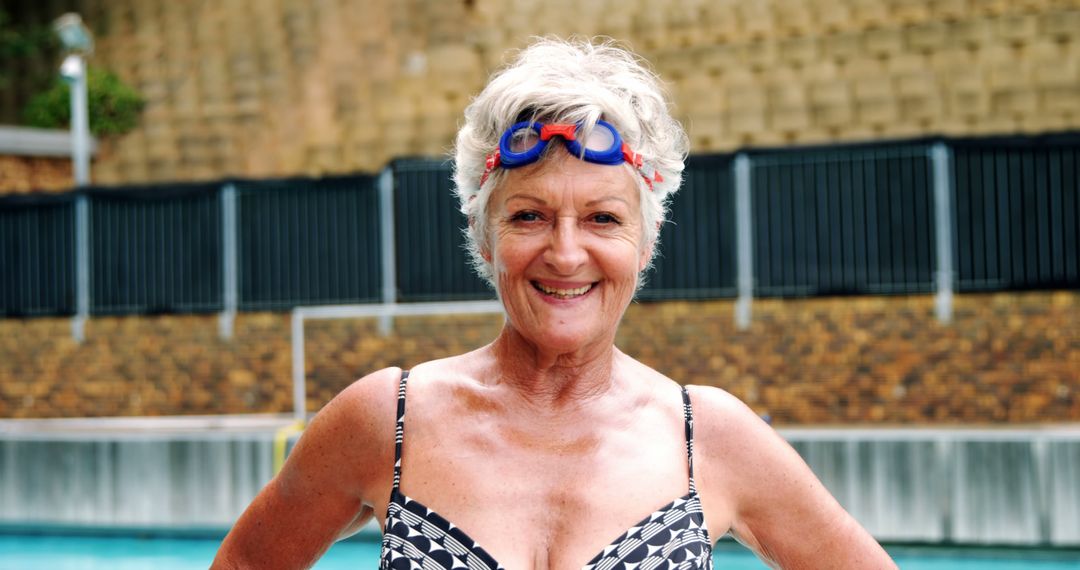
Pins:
x,y
77,43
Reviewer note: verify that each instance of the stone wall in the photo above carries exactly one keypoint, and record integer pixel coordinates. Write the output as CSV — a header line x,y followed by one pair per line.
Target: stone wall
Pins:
x,y
1006,358
263,88
22,174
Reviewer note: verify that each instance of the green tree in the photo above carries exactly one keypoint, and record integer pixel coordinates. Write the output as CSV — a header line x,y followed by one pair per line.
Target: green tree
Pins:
x,y
114,106
19,43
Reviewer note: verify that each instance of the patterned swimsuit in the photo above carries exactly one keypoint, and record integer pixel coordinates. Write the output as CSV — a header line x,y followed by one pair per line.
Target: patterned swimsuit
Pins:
x,y
672,538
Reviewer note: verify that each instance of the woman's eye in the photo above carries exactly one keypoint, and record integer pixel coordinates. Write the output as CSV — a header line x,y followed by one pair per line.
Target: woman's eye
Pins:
x,y
525,217
605,219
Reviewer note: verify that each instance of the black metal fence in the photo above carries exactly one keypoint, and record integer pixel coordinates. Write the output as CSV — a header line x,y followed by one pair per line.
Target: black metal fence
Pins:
x,y
37,255
155,249
841,221
431,261
696,254
1017,213
307,242
851,219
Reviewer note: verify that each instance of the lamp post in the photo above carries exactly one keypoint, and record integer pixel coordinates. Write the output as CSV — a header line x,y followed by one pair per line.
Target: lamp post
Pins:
x,y
78,43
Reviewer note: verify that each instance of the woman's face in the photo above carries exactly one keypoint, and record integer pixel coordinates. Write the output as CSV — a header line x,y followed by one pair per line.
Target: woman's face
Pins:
x,y
566,248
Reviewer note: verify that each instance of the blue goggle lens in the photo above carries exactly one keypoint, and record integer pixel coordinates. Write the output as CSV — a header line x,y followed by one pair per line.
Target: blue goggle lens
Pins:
x,y
601,139
522,140
522,144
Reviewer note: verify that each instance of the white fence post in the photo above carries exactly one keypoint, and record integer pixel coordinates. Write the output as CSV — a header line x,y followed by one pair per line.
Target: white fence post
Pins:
x,y
82,268
299,383
387,249
744,242
940,159
229,280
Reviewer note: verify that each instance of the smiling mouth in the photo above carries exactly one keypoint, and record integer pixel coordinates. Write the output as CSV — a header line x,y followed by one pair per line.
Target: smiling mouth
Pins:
x,y
562,293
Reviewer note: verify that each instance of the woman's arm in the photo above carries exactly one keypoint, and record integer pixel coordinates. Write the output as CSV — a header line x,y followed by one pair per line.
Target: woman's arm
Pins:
x,y
778,506
336,474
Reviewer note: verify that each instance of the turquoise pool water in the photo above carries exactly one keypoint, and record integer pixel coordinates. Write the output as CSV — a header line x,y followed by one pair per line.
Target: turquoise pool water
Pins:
x,y
101,553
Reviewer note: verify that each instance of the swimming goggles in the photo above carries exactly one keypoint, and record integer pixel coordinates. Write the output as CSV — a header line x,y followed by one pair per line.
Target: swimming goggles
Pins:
x,y
524,143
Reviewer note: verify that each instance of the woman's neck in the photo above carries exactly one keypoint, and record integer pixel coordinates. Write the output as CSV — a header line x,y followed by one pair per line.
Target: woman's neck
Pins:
x,y
552,379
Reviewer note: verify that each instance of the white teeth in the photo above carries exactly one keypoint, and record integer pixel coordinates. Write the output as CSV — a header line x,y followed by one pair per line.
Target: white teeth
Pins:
x,y
563,293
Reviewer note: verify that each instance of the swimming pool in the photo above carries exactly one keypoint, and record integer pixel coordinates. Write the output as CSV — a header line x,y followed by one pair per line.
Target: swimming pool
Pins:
x,y
35,552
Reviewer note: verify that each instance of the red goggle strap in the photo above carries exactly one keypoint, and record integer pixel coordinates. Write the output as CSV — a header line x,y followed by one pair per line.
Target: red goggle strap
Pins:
x,y
493,161
567,132
632,157
638,162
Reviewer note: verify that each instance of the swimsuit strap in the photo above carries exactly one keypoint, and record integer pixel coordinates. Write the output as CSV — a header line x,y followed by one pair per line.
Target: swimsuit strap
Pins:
x,y
688,415
399,435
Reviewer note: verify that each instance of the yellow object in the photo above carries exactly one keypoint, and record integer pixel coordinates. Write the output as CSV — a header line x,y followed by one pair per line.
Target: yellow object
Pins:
x,y
281,440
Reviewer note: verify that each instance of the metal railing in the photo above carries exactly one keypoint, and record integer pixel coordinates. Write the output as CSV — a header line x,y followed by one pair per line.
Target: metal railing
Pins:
x,y
883,218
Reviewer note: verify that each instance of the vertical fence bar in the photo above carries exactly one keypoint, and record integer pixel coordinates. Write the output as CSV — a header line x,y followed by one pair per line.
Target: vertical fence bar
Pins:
x,y
299,386
743,242
940,159
82,268
387,250
229,297
945,450
1040,450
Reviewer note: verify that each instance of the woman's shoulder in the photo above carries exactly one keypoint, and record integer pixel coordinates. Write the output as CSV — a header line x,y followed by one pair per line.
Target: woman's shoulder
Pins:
x,y
359,422
714,400
444,376
367,406
721,419
370,397
741,455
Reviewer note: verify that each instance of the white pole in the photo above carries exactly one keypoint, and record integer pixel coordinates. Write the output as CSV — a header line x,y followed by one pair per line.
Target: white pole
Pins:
x,y
939,158
82,268
387,251
74,70
228,262
379,311
744,242
299,387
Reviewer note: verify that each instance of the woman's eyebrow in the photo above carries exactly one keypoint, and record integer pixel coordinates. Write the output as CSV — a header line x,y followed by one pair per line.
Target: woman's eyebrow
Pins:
x,y
524,196
596,201
589,204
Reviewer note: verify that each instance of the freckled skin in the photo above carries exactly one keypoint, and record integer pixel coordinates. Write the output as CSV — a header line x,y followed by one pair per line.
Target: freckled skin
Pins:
x,y
566,221
549,442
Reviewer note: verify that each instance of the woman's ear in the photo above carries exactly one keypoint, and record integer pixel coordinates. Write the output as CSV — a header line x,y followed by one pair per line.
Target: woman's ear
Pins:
x,y
645,257
485,251
647,251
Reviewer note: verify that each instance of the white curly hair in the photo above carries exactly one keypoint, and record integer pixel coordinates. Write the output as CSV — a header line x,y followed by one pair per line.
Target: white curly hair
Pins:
x,y
569,81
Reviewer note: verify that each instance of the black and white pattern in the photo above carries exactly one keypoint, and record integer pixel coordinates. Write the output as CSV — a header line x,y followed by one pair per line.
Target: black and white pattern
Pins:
x,y
417,537
672,538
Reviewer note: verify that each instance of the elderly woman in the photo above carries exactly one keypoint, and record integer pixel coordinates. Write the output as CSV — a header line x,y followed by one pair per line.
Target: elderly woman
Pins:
x,y
550,447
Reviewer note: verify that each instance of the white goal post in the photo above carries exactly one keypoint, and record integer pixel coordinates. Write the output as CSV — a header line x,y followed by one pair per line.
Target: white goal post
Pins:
x,y
385,312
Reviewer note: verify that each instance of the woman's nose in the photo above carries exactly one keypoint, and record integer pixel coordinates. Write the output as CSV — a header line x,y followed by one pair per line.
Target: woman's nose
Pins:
x,y
566,253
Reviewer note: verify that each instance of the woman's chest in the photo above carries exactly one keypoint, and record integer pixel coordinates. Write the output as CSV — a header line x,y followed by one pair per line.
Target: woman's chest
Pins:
x,y
547,510
509,536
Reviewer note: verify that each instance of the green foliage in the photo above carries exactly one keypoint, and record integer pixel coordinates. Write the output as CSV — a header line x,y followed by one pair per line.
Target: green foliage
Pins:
x,y
114,106
21,42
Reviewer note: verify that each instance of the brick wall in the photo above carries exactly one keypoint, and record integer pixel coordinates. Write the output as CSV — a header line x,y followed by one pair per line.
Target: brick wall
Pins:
x,y
21,174
1006,358
282,87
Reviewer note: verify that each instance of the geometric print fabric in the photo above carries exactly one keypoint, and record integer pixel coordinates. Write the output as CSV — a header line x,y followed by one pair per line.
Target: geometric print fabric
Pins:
x,y
417,538
672,538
